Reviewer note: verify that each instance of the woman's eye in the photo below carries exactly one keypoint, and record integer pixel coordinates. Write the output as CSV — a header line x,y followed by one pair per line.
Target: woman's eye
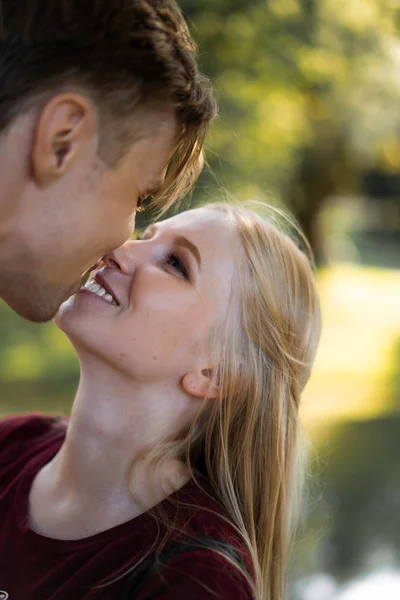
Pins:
x,y
175,262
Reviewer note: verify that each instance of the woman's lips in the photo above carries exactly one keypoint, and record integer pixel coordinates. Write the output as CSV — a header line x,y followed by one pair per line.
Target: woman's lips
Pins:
x,y
98,286
100,279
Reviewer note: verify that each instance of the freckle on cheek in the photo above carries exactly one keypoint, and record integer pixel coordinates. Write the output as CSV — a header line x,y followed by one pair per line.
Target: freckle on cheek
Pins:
x,y
155,357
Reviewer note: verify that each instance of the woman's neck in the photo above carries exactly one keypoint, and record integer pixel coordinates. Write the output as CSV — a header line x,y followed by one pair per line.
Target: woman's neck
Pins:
x,y
101,474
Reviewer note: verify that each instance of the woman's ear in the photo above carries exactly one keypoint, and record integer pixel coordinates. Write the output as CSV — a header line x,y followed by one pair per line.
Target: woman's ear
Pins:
x,y
64,128
199,384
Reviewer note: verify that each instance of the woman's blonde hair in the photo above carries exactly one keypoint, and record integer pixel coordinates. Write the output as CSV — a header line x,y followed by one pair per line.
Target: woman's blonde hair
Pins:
x,y
248,440
250,437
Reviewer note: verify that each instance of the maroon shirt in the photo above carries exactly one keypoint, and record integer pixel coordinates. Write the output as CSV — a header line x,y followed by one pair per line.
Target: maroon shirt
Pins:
x,y
35,567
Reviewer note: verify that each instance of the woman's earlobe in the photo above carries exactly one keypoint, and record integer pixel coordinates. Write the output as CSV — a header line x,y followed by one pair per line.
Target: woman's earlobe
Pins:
x,y
200,384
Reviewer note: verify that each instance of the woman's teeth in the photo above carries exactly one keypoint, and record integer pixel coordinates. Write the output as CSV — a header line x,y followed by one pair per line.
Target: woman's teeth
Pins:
x,y
97,289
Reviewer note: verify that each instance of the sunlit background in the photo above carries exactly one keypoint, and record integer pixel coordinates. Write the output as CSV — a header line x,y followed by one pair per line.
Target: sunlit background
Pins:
x,y
310,119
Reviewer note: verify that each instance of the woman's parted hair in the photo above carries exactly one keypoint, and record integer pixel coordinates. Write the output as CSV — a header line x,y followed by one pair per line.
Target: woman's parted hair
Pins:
x,y
249,439
126,55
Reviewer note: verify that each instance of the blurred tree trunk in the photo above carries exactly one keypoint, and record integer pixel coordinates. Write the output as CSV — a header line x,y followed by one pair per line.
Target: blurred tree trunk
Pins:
x,y
325,168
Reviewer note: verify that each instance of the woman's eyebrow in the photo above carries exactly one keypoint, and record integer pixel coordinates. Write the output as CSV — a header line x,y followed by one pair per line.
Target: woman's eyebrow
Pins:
x,y
182,241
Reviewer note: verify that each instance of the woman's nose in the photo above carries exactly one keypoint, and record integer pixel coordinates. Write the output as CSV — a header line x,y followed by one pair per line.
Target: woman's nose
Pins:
x,y
121,259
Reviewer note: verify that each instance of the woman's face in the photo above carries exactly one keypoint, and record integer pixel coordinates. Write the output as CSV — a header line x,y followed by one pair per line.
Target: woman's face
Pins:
x,y
170,289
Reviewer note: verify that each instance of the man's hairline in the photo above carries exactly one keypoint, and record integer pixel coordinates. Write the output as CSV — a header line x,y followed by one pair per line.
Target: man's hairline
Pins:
x,y
36,102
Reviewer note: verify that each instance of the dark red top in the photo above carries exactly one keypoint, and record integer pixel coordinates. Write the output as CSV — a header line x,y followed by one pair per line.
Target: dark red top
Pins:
x,y
35,567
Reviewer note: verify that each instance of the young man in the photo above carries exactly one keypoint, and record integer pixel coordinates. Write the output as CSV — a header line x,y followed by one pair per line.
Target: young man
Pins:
x,y
101,105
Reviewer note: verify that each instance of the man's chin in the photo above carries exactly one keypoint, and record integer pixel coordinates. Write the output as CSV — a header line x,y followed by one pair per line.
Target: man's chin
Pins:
x,y
39,306
37,314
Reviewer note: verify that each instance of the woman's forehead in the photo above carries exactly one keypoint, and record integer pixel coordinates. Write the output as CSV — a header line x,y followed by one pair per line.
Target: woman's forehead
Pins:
x,y
202,222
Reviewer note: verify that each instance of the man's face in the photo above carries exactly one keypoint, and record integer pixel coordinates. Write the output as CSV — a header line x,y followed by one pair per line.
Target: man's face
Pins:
x,y
61,230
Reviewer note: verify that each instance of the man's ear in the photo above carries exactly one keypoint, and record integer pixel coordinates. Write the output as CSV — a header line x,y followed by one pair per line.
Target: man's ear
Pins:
x,y
199,384
65,126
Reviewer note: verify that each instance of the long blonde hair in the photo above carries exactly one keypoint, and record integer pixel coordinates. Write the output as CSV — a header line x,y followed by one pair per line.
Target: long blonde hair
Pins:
x,y
250,438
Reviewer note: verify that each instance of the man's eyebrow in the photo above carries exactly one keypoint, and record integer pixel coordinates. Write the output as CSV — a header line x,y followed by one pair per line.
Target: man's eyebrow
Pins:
x,y
182,241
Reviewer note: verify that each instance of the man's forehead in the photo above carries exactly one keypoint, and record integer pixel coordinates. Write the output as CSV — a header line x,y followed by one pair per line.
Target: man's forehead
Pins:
x,y
150,157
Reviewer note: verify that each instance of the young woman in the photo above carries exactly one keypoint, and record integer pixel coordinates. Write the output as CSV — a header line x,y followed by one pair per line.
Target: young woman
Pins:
x,y
175,474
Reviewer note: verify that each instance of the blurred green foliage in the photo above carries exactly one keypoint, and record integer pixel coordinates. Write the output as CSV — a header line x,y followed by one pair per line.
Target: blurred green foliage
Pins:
x,y
38,368
309,92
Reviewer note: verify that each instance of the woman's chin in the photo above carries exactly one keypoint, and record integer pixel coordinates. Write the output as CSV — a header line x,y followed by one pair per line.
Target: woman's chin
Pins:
x,y
67,311
82,321
76,305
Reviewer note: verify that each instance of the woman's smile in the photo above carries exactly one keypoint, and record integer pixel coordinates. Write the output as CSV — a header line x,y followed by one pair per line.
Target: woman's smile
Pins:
x,y
99,287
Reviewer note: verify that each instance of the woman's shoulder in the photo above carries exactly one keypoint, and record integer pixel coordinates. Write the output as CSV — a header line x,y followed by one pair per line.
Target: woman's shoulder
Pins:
x,y
200,574
206,514
204,557
213,541
28,428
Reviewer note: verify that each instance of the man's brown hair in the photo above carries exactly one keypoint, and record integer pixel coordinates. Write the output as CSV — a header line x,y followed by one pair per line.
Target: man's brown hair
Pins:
x,y
126,55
